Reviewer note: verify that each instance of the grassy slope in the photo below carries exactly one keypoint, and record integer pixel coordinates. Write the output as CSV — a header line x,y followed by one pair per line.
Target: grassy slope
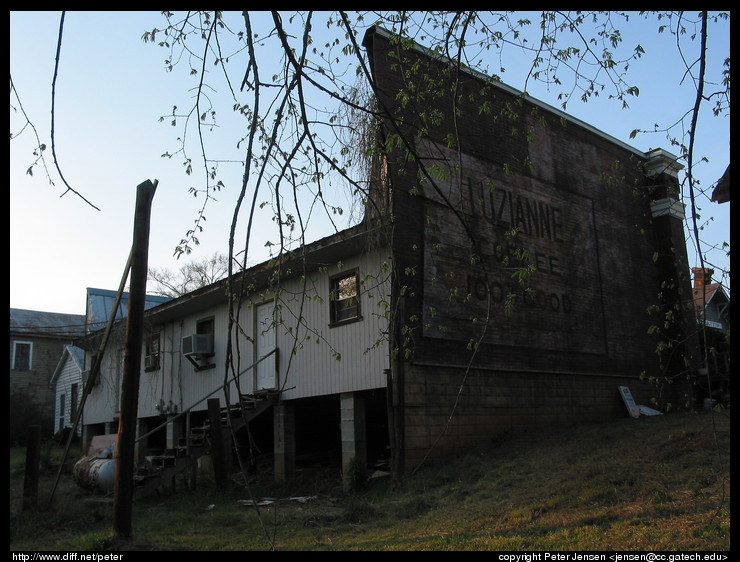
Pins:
x,y
659,483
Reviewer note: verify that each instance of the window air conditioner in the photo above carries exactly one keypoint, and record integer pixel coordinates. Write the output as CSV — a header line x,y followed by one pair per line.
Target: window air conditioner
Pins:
x,y
197,344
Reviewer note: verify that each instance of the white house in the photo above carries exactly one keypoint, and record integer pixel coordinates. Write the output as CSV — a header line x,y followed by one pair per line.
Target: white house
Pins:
x,y
70,374
307,336
68,380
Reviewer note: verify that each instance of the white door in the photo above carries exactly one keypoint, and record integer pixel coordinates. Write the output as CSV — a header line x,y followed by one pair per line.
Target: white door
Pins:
x,y
265,343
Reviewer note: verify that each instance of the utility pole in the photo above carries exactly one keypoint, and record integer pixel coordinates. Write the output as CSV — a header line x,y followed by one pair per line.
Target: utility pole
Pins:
x,y
125,463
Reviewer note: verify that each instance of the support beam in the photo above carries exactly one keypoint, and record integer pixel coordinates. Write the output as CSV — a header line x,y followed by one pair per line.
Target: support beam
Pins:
x,y
217,443
354,441
284,437
31,478
171,439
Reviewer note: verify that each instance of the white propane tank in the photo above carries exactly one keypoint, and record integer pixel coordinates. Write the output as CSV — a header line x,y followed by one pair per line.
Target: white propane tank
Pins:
x,y
97,473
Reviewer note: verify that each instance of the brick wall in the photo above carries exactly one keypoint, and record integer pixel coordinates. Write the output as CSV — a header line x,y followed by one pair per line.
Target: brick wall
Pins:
x,y
35,384
580,202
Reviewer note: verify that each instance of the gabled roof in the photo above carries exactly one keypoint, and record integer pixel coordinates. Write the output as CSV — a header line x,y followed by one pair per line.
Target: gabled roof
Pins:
x,y
70,352
326,251
46,324
704,295
100,303
705,290
721,193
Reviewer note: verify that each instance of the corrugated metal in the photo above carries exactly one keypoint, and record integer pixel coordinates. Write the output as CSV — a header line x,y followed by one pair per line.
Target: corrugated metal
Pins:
x,y
196,384
102,405
314,359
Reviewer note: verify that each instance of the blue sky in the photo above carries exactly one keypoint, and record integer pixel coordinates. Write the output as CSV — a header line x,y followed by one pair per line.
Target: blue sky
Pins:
x,y
111,92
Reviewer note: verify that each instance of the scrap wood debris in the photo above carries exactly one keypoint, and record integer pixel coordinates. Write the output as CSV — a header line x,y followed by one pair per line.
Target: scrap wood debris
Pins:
x,y
269,501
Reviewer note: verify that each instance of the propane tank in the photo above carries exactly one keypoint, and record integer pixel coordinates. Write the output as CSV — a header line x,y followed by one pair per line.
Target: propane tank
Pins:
x,y
98,472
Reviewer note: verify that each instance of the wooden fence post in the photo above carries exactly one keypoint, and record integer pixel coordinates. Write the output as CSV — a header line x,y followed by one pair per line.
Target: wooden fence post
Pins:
x,y
217,443
31,478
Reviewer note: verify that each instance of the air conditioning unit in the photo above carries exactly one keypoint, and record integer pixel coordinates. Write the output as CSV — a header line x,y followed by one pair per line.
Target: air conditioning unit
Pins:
x,y
197,344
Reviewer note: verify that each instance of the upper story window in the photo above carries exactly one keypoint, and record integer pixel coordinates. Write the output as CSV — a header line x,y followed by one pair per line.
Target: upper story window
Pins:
x,y
22,351
152,352
205,327
344,297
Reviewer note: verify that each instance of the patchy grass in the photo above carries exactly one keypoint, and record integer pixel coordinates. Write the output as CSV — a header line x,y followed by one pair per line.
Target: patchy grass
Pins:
x,y
659,483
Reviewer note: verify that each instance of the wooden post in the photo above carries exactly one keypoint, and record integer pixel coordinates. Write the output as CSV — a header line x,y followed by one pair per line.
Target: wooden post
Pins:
x,y
31,479
217,442
354,441
94,373
284,437
123,494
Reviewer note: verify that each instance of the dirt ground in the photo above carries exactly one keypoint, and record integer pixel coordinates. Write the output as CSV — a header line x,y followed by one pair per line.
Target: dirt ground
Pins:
x,y
66,489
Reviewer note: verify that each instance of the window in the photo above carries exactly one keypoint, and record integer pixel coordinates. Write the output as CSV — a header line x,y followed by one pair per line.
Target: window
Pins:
x,y
73,405
61,412
205,326
151,352
22,355
344,298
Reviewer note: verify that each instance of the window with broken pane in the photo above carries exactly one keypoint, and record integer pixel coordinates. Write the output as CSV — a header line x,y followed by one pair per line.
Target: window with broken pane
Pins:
x,y
345,297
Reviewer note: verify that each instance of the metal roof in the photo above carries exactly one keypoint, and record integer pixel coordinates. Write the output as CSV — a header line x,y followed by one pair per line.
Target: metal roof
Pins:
x,y
100,303
49,324
76,354
326,251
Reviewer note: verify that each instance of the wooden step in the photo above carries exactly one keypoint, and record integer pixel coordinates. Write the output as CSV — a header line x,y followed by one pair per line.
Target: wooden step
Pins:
x,y
163,461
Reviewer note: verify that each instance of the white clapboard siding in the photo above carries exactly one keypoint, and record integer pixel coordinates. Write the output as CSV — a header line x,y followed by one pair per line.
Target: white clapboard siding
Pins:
x,y
314,359
69,376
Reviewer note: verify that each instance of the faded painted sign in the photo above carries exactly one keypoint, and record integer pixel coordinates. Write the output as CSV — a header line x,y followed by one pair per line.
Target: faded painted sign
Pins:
x,y
484,230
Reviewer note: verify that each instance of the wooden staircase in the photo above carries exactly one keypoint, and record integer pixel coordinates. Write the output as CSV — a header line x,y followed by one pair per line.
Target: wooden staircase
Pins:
x,y
163,467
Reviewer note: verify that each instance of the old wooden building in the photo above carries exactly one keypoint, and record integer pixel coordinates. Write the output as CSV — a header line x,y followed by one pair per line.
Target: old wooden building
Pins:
x,y
503,279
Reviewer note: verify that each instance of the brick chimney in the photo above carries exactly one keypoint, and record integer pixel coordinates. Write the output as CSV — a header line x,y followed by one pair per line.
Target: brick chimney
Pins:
x,y
702,277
